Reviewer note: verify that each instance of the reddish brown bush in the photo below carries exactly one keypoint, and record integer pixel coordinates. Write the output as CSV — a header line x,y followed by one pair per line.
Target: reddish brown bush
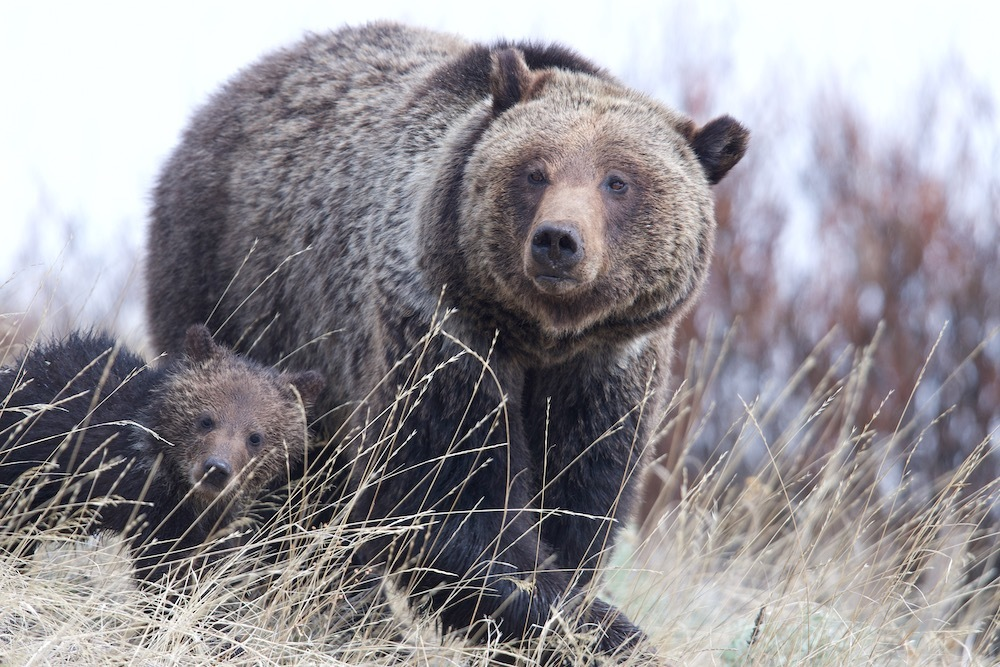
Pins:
x,y
893,227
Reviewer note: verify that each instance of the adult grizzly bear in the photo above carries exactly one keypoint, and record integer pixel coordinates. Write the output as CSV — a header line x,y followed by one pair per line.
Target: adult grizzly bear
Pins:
x,y
332,200
168,456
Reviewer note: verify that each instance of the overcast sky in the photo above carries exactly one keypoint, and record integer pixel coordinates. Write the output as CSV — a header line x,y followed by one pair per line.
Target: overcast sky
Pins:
x,y
95,94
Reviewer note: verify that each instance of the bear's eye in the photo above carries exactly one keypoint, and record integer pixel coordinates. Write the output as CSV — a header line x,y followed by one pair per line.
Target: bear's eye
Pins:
x,y
255,440
617,184
205,422
536,177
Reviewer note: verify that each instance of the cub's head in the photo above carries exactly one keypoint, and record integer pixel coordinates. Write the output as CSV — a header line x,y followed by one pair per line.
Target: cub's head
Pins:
x,y
587,203
231,425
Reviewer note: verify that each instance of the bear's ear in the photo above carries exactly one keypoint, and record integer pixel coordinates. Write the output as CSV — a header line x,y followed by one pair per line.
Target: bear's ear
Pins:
x,y
510,79
719,146
307,383
198,344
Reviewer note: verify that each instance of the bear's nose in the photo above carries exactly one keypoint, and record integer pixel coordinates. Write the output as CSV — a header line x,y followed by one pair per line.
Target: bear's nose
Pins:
x,y
556,249
217,472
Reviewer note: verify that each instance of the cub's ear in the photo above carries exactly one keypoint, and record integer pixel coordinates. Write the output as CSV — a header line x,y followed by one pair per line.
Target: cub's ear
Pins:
x,y
510,79
198,344
719,146
307,383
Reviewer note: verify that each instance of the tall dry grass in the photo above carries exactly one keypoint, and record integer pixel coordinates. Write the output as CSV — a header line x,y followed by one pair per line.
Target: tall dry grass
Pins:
x,y
833,558
830,560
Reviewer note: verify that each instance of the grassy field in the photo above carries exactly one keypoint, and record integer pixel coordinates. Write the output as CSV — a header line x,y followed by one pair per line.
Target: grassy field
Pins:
x,y
834,558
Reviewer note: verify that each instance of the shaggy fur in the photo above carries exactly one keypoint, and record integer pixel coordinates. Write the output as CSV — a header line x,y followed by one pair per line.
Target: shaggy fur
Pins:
x,y
567,221
167,456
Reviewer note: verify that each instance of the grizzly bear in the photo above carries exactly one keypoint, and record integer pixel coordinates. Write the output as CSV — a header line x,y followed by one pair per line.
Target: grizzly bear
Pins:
x,y
169,457
486,250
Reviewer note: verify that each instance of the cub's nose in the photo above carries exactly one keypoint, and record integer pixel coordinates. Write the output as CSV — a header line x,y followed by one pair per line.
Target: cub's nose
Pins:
x,y
217,472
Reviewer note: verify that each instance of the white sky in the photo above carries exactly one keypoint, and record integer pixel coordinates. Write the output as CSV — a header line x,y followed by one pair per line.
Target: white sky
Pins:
x,y
95,94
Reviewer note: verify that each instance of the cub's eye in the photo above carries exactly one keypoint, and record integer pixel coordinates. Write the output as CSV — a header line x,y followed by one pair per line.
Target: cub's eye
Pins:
x,y
616,184
536,177
206,423
255,440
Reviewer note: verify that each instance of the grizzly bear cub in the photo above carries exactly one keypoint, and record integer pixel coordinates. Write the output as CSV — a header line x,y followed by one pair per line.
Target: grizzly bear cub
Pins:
x,y
168,457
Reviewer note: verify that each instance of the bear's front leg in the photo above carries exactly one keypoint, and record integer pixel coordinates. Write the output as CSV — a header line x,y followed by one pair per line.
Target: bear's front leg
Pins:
x,y
448,473
588,423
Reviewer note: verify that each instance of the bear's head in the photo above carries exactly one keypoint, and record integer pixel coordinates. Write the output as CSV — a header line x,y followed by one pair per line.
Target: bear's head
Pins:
x,y
230,425
587,204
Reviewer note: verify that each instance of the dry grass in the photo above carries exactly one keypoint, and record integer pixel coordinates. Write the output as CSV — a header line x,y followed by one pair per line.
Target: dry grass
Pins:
x,y
811,560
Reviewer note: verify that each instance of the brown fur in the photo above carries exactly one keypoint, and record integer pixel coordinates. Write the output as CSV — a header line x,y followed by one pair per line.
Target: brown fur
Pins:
x,y
567,221
181,449
233,426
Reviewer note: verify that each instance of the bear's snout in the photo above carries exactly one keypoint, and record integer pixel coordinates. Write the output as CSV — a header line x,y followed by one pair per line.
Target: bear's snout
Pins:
x,y
557,259
563,249
556,249
217,472
222,458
